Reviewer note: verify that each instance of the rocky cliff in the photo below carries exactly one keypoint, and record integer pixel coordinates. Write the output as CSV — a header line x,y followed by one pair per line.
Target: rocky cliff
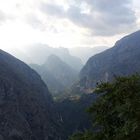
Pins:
x,y
26,107
122,59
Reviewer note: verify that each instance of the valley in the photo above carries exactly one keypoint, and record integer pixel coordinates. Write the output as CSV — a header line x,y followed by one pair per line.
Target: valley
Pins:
x,y
47,98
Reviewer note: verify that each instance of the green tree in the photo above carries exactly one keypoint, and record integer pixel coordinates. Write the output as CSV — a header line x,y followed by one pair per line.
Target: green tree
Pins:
x,y
116,114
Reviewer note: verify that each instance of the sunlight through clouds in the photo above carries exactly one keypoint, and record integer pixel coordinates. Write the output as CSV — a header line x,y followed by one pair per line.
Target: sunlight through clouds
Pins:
x,y
66,23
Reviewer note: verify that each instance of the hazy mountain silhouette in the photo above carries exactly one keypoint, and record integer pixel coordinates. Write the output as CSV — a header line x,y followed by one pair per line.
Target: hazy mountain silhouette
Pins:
x,y
38,54
57,74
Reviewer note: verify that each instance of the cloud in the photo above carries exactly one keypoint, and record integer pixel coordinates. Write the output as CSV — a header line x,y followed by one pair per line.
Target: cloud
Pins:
x,y
67,23
102,17
35,22
53,9
3,17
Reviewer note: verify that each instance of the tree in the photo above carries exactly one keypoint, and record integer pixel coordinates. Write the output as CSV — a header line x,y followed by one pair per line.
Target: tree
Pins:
x,y
116,114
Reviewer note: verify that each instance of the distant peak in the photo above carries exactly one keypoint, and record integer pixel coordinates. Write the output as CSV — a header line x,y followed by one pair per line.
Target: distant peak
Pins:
x,y
130,38
53,56
1,51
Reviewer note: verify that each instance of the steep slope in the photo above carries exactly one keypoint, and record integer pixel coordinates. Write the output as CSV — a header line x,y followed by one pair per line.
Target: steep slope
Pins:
x,y
73,113
56,74
26,107
122,59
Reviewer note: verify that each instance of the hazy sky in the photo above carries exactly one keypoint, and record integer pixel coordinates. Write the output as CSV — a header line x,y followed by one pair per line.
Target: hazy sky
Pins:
x,y
66,23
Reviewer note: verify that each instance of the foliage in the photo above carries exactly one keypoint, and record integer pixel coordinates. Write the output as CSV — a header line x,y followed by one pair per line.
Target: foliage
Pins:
x,y
116,114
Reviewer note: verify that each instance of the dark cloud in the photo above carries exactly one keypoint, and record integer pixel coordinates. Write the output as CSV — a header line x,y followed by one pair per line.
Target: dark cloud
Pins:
x,y
114,11
106,17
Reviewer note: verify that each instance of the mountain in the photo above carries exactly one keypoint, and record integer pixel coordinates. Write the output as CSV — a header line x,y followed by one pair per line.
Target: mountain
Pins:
x,y
53,84
122,59
26,107
56,74
38,53
84,53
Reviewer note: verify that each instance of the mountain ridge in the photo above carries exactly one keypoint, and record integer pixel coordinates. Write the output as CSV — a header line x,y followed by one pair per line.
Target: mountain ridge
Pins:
x,y
27,110
122,59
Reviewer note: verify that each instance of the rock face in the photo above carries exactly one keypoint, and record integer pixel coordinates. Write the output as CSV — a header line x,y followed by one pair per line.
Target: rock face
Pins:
x,y
56,74
26,107
122,59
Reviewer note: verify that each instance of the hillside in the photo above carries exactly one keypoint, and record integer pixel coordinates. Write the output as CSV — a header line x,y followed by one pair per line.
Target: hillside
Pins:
x,y
73,113
122,59
26,107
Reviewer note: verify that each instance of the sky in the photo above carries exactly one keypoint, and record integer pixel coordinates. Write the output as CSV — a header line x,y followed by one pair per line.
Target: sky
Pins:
x,y
66,23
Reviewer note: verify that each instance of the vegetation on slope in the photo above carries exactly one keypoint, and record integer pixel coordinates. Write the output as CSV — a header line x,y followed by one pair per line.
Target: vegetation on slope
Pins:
x,y
117,112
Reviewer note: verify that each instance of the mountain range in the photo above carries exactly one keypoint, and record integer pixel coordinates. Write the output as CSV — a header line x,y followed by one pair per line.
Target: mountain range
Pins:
x,y
39,53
